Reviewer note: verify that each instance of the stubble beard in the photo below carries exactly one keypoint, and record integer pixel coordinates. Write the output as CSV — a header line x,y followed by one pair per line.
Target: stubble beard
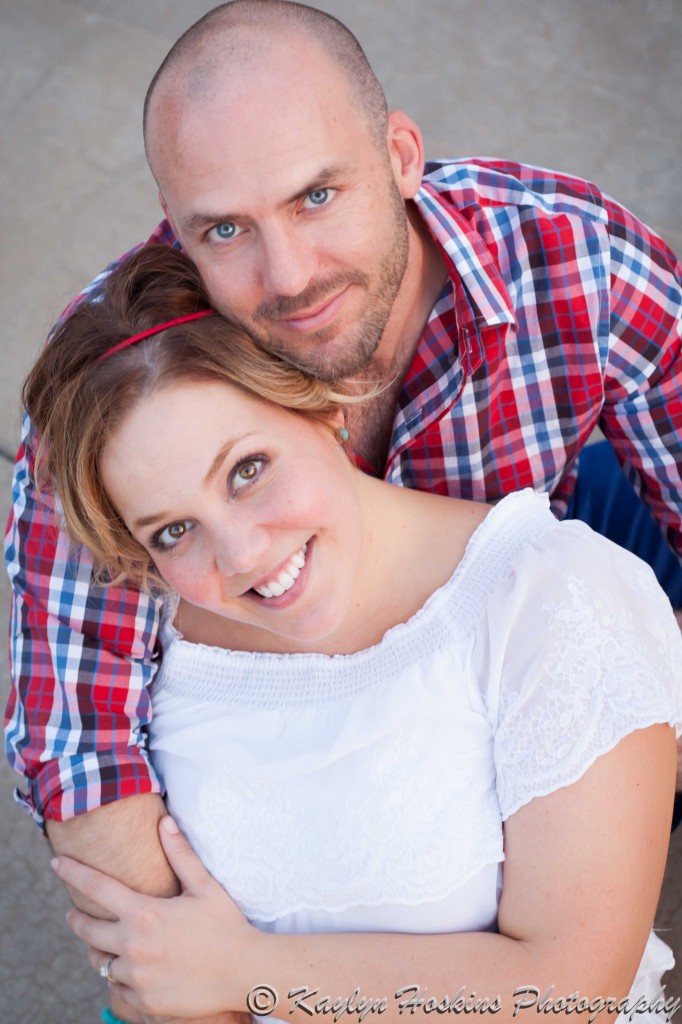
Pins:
x,y
324,359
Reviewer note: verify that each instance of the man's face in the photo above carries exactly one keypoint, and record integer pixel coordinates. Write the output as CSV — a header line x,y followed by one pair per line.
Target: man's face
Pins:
x,y
292,214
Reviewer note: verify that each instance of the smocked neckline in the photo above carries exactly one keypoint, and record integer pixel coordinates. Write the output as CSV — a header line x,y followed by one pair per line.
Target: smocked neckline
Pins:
x,y
267,679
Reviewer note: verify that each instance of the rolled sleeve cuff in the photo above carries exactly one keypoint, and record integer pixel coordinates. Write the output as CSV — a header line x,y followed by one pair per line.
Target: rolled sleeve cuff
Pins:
x,y
68,786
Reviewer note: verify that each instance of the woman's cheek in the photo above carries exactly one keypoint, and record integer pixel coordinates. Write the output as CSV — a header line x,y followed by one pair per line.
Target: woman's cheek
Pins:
x,y
188,580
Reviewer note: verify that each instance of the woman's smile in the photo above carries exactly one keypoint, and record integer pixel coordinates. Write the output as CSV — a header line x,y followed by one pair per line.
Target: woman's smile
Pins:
x,y
282,588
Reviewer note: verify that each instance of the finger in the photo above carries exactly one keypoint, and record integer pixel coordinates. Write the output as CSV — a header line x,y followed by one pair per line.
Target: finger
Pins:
x,y
188,868
96,956
101,889
122,994
94,932
118,969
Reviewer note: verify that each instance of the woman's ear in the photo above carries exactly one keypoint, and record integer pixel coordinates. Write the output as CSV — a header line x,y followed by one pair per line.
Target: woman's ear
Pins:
x,y
336,423
406,152
338,420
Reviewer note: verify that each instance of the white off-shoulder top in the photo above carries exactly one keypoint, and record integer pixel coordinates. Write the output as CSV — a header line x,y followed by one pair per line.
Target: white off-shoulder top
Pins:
x,y
368,791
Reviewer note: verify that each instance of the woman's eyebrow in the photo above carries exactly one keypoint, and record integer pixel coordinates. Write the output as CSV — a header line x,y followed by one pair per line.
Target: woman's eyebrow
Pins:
x,y
150,520
222,454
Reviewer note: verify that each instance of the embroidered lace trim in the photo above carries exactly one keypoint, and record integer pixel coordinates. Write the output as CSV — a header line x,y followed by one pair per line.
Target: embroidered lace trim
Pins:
x,y
394,836
603,677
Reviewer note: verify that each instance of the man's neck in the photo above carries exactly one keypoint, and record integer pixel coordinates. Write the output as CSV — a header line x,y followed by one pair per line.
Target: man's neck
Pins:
x,y
370,423
425,276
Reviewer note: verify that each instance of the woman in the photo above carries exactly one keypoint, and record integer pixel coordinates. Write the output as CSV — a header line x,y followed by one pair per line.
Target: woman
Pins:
x,y
416,739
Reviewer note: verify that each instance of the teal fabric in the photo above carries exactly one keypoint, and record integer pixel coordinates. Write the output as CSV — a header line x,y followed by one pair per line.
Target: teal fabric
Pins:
x,y
109,1018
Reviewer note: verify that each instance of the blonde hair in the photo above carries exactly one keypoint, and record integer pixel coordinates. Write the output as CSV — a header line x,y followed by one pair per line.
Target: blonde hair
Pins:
x,y
77,400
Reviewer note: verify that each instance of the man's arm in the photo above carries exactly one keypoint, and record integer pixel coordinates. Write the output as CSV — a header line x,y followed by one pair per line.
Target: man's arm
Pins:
x,y
80,656
642,413
81,660
121,839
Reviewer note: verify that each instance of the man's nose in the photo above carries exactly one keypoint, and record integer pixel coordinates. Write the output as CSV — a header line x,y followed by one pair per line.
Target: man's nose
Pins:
x,y
287,260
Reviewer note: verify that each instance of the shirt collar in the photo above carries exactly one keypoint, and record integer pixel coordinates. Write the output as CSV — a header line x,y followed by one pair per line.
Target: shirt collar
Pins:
x,y
469,259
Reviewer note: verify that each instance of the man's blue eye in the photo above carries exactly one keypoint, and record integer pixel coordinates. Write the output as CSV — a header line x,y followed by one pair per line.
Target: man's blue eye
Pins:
x,y
319,197
225,231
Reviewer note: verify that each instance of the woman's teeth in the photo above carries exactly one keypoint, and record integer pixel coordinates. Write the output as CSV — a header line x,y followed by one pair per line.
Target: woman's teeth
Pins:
x,y
286,578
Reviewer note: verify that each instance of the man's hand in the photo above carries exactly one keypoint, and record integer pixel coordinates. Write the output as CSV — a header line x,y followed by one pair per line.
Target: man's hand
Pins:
x,y
121,839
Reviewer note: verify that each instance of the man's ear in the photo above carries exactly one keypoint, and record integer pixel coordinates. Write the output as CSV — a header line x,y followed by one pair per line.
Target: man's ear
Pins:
x,y
406,152
167,213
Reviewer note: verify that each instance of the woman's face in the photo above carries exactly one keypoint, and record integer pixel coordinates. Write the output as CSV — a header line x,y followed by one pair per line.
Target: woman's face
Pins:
x,y
247,510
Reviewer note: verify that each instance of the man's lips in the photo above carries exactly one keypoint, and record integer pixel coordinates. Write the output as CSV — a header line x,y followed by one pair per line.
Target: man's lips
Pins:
x,y
318,317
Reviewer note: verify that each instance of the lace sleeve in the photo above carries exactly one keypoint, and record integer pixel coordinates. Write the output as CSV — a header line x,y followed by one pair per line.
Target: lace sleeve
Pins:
x,y
589,652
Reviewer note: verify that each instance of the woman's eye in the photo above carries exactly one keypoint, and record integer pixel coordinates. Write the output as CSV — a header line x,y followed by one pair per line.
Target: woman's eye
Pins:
x,y
245,473
319,197
225,232
170,535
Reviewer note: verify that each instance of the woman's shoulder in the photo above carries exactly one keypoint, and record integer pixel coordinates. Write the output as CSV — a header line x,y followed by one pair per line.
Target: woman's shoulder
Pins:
x,y
578,646
524,553
561,598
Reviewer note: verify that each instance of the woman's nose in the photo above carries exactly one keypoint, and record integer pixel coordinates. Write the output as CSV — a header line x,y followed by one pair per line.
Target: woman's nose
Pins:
x,y
239,548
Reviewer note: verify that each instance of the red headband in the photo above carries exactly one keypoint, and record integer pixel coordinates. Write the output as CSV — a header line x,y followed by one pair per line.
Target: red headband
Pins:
x,y
157,330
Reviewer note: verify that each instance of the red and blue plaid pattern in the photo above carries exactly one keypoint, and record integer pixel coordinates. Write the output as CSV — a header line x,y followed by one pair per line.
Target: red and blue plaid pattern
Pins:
x,y
563,312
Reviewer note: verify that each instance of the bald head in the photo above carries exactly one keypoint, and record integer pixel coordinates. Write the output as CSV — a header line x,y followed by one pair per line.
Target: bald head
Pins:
x,y
236,39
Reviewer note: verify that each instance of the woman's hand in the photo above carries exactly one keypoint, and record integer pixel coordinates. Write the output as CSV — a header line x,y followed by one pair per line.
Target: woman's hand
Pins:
x,y
182,956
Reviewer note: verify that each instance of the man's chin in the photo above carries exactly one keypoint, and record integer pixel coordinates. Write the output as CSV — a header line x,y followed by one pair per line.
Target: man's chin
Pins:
x,y
322,357
330,371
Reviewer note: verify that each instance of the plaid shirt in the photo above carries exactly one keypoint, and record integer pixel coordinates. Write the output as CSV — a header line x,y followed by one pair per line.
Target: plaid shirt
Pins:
x,y
562,312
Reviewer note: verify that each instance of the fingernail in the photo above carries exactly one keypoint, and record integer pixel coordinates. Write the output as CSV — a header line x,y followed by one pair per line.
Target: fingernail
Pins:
x,y
169,825
54,863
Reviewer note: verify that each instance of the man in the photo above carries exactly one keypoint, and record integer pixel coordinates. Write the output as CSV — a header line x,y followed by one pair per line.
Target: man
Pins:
x,y
506,311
